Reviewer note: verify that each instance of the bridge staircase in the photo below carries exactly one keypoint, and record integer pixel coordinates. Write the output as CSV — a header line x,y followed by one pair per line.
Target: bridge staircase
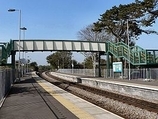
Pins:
x,y
135,55
5,52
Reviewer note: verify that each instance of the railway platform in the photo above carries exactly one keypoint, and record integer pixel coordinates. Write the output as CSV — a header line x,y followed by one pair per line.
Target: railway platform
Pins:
x,y
135,88
35,98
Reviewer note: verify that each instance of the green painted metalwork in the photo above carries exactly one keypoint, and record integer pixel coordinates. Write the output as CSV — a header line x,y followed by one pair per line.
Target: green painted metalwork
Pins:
x,y
5,52
136,55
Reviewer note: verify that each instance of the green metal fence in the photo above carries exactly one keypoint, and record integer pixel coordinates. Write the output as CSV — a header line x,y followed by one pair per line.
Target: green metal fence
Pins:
x,y
137,73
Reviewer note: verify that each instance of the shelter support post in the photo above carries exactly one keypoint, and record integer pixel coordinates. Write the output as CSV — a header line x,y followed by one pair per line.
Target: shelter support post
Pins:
x,y
99,67
108,65
148,74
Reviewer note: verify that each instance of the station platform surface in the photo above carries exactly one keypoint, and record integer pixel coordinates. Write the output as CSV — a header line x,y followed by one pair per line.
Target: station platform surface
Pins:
x,y
137,88
35,98
147,83
133,82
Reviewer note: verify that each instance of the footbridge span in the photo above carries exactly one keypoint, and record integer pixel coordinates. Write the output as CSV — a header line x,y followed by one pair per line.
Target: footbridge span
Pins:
x,y
10,48
135,55
59,45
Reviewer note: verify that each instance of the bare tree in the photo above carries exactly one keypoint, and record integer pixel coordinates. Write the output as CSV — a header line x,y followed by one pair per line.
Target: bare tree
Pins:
x,y
88,34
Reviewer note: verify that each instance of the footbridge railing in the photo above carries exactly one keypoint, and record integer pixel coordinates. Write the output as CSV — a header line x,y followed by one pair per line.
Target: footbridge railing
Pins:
x,y
135,55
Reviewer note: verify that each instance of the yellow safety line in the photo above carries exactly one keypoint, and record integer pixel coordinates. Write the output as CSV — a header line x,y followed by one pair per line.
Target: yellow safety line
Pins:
x,y
81,114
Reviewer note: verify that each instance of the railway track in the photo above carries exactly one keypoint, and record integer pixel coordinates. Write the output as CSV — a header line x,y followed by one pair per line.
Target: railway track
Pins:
x,y
86,93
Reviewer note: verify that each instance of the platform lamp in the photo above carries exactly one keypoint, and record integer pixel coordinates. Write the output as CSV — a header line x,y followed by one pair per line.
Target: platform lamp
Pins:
x,y
23,29
18,10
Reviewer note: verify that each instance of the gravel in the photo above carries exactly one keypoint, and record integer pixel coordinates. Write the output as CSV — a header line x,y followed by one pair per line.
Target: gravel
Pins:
x,y
122,109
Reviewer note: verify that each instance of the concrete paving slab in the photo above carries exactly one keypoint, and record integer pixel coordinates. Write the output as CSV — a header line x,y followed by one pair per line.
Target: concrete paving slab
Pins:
x,y
28,100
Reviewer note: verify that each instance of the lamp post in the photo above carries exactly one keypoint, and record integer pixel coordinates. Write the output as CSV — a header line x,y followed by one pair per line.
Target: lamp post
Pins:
x,y
25,63
23,29
14,10
129,77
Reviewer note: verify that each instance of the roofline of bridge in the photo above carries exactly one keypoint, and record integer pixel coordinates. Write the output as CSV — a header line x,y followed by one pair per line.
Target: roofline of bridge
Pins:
x,y
59,40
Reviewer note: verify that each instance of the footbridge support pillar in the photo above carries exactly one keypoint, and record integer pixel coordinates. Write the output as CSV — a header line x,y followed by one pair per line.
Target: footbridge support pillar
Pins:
x,y
13,64
99,65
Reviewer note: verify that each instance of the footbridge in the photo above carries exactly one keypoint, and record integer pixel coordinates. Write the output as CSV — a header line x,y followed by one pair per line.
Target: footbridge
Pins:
x,y
135,55
10,48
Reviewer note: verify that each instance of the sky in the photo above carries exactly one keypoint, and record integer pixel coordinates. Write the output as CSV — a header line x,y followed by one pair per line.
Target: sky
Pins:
x,y
58,20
